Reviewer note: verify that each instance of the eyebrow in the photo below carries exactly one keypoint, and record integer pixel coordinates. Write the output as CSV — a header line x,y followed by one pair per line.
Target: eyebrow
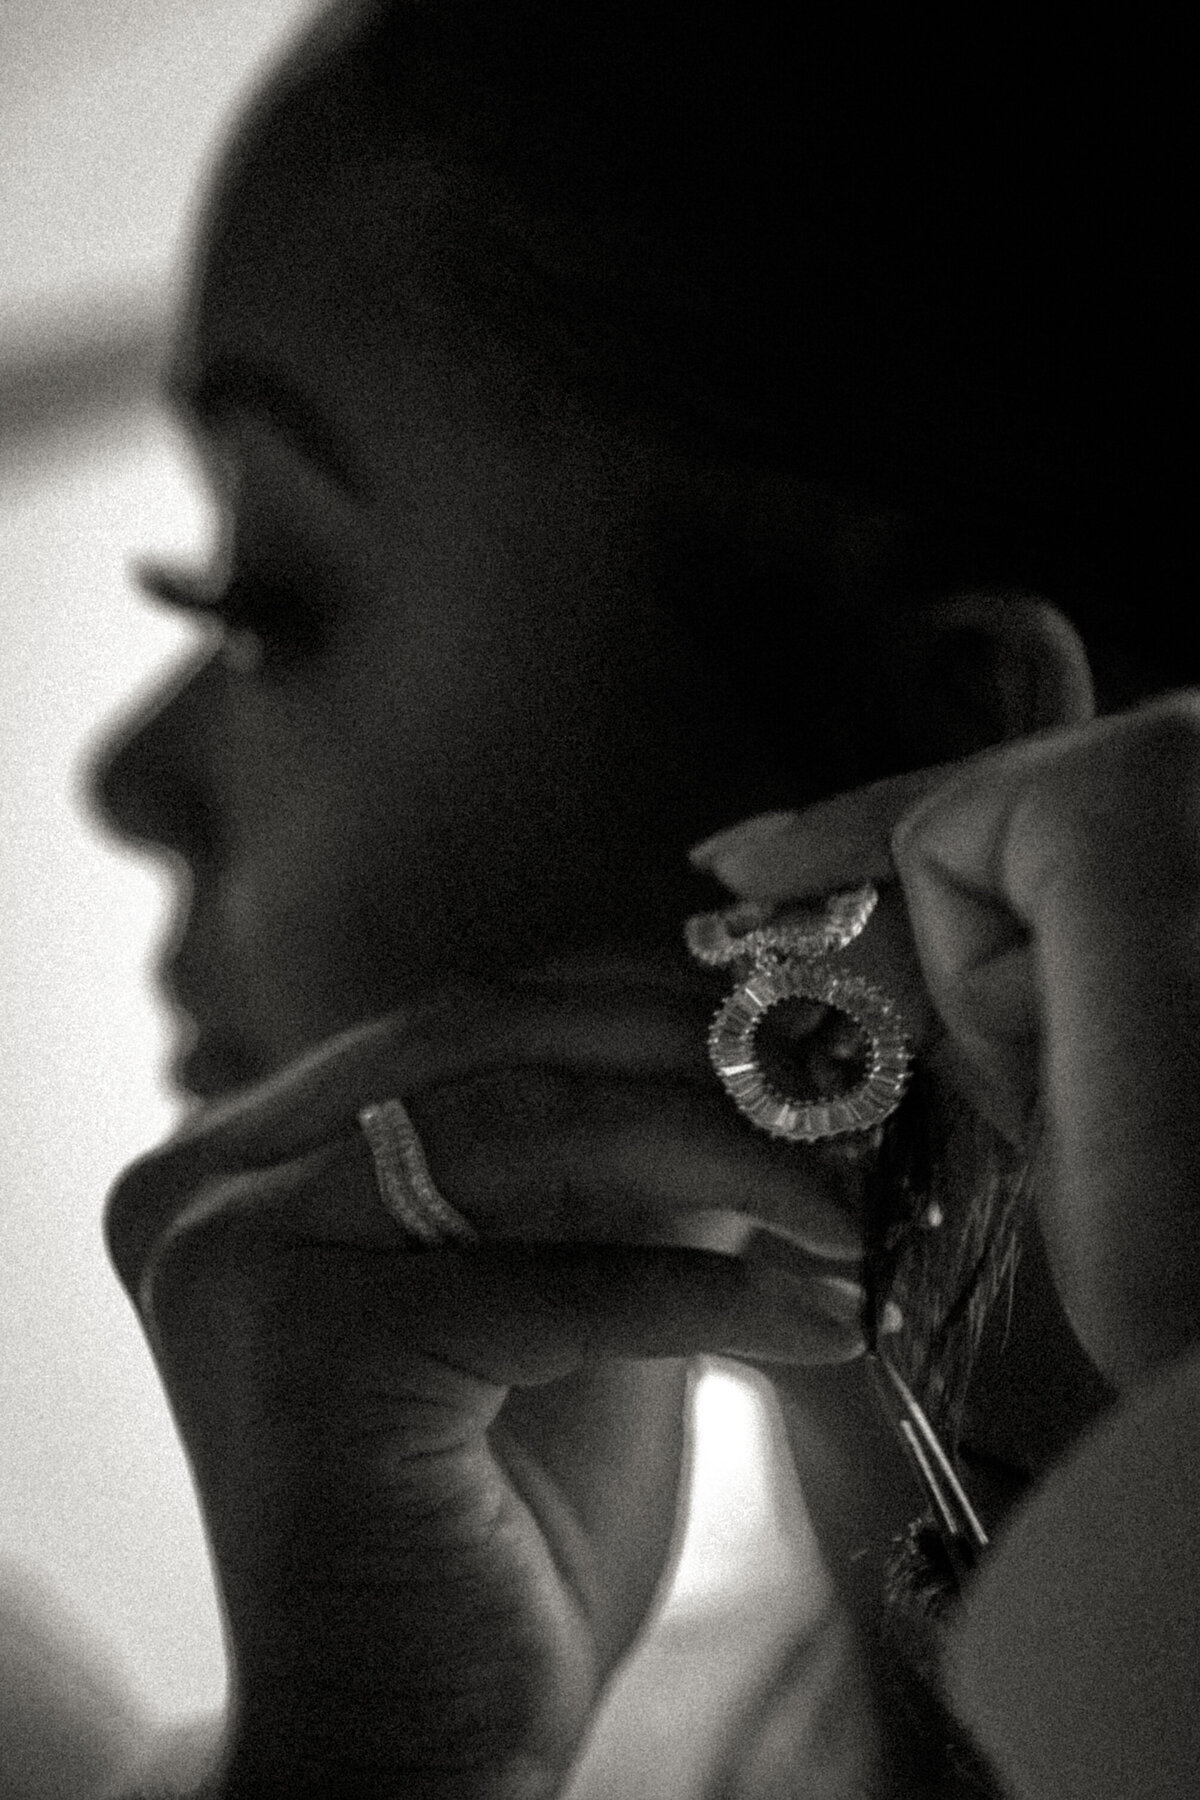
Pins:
x,y
233,383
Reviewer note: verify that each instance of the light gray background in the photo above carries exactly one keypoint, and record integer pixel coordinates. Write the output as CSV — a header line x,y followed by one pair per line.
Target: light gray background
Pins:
x,y
107,114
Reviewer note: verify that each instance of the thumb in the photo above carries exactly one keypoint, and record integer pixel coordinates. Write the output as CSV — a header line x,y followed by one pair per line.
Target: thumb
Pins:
x,y
523,1314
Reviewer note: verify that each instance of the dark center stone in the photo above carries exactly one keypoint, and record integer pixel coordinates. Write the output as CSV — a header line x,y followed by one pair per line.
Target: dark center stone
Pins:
x,y
807,1051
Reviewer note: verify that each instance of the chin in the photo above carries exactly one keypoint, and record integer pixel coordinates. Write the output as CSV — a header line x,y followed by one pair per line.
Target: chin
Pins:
x,y
213,1067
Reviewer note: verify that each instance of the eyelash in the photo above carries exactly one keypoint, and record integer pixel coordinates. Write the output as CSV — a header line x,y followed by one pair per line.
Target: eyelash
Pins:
x,y
259,620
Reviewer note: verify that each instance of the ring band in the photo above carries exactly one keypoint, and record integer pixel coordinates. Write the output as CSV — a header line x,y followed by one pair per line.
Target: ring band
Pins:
x,y
406,1188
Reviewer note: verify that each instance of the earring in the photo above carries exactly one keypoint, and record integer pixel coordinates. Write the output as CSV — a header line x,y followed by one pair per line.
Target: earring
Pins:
x,y
786,958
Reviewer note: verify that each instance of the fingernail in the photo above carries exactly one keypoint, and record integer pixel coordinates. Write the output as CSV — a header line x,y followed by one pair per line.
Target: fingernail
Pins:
x,y
739,839
891,1320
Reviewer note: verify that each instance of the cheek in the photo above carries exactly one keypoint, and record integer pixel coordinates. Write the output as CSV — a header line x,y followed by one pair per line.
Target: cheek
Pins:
x,y
348,870
292,901
387,835
466,783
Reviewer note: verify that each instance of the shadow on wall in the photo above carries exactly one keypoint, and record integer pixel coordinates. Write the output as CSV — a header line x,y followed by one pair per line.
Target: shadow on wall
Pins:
x,y
92,363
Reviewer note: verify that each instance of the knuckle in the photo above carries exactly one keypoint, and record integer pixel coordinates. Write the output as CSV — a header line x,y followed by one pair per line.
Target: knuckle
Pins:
x,y
210,1248
1119,811
910,831
152,1215
1157,789
549,1152
133,1202
498,1108
500,1132
458,1003
902,839
1169,737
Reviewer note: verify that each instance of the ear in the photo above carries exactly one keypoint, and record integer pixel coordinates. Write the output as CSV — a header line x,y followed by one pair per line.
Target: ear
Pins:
x,y
981,669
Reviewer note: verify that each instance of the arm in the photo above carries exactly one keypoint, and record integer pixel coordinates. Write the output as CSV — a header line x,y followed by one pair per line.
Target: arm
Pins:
x,y
439,1487
1053,894
1076,1661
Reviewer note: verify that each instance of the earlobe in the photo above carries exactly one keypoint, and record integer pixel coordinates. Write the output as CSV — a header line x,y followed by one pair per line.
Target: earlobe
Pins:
x,y
989,667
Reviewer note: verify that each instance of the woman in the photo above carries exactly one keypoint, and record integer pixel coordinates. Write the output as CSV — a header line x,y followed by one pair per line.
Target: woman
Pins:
x,y
575,508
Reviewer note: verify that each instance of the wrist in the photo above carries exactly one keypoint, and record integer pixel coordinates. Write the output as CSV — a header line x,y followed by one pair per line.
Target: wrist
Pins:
x,y
368,1728
271,1771
1075,1651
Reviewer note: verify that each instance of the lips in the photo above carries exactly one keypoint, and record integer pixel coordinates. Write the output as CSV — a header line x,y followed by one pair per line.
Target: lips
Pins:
x,y
213,1057
211,1066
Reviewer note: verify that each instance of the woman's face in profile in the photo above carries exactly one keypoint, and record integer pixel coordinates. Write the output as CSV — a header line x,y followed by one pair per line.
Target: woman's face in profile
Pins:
x,y
441,730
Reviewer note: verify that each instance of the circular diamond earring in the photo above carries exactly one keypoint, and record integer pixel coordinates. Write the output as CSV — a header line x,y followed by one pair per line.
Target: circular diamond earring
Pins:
x,y
779,959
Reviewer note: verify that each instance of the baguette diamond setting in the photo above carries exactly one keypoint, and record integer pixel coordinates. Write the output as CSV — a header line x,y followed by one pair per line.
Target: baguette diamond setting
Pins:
x,y
789,958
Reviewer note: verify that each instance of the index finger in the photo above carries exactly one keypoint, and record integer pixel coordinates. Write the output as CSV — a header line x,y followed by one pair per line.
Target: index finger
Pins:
x,y
837,843
581,1019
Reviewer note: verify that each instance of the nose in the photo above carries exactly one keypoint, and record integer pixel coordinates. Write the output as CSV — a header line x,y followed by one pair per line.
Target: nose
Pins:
x,y
147,782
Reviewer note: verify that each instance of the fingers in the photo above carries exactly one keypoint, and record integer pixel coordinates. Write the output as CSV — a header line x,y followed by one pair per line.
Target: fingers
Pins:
x,y
522,1314
1005,823
994,853
938,831
838,843
543,1153
1060,900
534,1154
512,1312
638,1026
1080,849
586,1016
858,836
943,833
846,840
1053,895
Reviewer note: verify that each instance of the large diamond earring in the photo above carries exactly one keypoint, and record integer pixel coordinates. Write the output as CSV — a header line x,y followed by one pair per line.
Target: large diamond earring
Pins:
x,y
784,957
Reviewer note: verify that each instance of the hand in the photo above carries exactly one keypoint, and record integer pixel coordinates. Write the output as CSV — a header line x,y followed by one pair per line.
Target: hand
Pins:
x,y
1053,893
440,1487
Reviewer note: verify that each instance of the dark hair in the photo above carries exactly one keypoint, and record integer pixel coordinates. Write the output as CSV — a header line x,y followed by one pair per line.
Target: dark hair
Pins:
x,y
884,255
887,255
878,253
871,252
919,262
933,266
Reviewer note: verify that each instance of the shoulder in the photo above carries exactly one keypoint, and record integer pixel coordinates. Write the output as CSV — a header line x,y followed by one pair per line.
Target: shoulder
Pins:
x,y
810,1731
1076,1661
